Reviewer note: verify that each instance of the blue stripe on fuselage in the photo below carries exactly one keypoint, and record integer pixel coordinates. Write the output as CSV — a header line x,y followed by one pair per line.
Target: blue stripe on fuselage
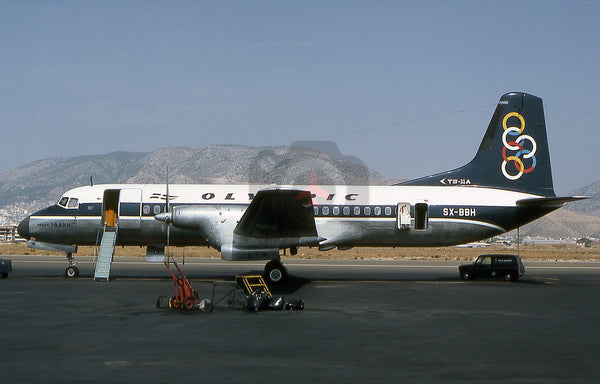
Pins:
x,y
502,216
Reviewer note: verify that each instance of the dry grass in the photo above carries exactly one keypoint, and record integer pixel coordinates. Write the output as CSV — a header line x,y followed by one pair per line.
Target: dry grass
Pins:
x,y
528,252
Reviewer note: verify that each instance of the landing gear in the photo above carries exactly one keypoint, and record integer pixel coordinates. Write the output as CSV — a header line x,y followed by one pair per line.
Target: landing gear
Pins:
x,y
275,272
72,271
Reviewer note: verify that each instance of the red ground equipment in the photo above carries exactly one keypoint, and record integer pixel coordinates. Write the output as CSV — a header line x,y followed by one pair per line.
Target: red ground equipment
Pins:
x,y
185,296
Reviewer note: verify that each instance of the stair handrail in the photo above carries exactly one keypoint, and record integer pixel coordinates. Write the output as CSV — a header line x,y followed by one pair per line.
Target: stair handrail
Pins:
x,y
96,243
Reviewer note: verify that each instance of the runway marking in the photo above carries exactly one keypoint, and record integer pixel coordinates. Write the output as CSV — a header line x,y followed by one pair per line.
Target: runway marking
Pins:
x,y
565,267
117,363
235,264
312,265
368,266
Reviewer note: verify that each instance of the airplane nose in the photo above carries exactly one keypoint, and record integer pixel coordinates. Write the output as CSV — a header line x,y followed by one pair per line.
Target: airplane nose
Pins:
x,y
23,228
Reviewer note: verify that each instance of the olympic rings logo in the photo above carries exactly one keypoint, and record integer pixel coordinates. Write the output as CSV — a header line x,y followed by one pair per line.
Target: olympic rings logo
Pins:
x,y
522,156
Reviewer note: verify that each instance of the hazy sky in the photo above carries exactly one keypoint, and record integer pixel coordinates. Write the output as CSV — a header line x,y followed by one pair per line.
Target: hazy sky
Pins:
x,y
407,87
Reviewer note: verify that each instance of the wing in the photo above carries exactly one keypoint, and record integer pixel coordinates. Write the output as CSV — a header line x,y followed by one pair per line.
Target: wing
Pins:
x,y
277,214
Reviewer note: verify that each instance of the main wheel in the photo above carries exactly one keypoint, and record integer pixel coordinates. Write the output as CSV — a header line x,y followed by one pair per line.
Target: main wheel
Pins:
x,y
72,272
275,272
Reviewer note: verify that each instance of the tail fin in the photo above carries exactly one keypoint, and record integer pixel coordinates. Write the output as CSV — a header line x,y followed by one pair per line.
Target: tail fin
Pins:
x,y
513,153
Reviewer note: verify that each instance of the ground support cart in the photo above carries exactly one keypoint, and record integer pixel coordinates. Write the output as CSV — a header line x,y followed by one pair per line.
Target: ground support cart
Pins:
x,y
185,296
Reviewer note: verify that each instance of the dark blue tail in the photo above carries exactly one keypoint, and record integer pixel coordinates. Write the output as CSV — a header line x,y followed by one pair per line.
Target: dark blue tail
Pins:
x,y
513,154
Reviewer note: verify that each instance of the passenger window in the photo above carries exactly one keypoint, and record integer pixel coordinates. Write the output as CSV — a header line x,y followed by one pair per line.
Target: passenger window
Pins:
x,y
316,210
346,211
325,210
156,209
356,211
377,211
367,211
388,211
73,203
146,209
336,210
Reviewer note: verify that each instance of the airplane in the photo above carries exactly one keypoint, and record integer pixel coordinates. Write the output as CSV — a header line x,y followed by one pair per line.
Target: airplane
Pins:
x,y
506,185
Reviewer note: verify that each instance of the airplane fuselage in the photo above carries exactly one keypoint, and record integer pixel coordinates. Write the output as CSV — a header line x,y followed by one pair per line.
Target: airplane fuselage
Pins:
x,y
345,216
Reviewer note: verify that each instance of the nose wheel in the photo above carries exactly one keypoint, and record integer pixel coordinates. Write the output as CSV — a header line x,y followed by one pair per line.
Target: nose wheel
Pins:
x,y
275,272
72,271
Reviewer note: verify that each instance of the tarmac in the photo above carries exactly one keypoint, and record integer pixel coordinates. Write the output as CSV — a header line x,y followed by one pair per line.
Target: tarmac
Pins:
x,y
364,321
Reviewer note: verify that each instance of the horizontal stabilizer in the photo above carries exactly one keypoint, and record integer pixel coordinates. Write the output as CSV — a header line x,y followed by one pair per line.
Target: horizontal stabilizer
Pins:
x,y
549,202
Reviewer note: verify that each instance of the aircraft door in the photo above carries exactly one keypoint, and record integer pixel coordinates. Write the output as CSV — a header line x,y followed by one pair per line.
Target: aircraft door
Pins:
x,y
403,219
110,207
130,208
421,216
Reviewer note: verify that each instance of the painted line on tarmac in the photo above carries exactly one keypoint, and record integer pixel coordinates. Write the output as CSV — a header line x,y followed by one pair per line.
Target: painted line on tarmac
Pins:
x,y
319,265
565,267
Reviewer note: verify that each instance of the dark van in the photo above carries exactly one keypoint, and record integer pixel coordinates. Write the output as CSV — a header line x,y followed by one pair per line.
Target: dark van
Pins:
x,y
508,267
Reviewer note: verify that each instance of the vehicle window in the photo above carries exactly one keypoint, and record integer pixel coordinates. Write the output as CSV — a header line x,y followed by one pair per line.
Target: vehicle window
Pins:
x,y
388,211
346,211
336,210
356,211
63,201
73,203
486,260
367,211
316,209
377,211
325,210
156,209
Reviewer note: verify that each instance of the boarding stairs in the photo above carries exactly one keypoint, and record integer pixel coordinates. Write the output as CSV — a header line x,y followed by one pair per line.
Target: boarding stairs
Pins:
x,y
105,254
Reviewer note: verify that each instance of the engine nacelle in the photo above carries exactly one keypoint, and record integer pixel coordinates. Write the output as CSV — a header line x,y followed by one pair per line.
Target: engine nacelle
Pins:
x,y
214,224
231,253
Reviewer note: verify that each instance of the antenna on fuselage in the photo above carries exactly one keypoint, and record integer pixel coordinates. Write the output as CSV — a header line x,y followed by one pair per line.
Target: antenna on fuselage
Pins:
x,y
167,210
91,181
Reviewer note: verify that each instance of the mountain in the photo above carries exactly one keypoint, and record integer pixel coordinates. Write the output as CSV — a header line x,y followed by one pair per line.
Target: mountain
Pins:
x,y
590,206
561,224
33,186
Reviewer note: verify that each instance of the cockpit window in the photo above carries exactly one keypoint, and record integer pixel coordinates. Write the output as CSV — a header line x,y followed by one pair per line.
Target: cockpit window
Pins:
x,y
66,202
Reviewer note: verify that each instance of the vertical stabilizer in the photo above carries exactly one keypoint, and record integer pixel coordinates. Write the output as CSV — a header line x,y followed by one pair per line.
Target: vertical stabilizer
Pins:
x,y
513,153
